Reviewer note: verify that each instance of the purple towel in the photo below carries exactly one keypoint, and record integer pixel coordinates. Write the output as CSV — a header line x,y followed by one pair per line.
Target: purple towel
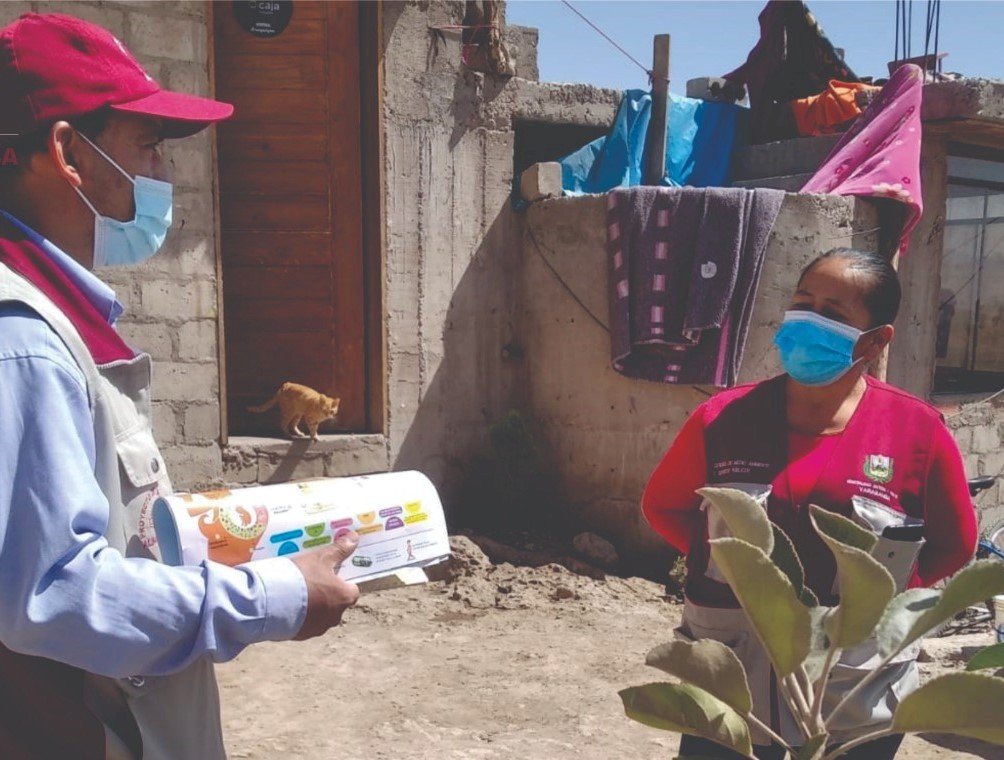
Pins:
x,y
684,269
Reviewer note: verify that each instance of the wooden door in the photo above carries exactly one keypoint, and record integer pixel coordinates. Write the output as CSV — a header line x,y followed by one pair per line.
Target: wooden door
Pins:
x,y
291,211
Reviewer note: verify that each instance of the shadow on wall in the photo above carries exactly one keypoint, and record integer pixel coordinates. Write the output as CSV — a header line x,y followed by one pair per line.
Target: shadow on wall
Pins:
x,y
468,367
472,431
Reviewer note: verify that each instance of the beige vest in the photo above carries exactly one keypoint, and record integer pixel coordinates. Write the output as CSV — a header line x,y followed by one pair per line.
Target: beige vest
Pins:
x,y
178,715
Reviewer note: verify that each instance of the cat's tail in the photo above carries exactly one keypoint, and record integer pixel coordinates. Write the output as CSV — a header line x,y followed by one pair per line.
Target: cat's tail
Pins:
x,y
266,406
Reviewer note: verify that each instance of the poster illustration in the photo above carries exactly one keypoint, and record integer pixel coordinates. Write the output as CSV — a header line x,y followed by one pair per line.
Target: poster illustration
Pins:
x,y
398,516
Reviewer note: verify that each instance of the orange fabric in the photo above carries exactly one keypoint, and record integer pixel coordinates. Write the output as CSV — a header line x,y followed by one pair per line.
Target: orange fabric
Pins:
x,y
819,114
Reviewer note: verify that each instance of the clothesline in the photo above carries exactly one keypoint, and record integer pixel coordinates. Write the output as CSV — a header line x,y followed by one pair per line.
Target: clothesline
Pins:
x,y
652,76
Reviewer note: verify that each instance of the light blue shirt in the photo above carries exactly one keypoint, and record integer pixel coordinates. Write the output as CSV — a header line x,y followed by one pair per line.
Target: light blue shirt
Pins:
x,y
64,594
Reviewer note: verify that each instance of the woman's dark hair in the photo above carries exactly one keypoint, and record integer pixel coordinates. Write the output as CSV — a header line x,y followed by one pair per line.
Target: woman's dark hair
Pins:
x,y
883,293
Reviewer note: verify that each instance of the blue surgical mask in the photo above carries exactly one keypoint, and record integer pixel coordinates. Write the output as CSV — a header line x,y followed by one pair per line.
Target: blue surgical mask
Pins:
x,y
816,350
125,243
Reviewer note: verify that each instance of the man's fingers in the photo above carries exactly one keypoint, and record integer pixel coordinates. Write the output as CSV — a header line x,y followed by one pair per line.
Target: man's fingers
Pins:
x,y
352,590
343,548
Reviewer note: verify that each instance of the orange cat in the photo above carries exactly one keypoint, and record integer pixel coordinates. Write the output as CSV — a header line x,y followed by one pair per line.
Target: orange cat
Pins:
x,y
298,402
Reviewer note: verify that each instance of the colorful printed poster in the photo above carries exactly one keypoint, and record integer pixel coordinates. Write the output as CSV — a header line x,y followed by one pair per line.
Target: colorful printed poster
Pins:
x,y
398,516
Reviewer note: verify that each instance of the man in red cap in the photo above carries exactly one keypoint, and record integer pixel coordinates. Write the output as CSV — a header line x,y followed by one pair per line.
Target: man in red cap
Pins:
x,y
104,652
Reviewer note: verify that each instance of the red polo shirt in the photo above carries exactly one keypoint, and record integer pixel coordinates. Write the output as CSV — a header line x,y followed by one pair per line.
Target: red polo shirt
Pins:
x,y
672,507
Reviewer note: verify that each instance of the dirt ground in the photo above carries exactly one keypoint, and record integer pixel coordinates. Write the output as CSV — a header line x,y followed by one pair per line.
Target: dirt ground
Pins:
x,y
503,662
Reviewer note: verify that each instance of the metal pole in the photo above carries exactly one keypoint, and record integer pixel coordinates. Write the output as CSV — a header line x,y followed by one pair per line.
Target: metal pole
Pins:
x,y
655,167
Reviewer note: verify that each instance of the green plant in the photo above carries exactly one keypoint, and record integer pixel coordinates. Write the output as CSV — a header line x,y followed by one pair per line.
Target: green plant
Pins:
x,y
804,640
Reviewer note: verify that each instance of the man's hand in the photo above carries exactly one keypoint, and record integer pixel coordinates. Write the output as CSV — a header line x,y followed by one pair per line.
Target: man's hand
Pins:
x,y
328,596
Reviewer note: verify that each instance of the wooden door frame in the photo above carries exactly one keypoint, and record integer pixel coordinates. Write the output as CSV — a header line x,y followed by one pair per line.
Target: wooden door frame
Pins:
x,y
371,139
374,216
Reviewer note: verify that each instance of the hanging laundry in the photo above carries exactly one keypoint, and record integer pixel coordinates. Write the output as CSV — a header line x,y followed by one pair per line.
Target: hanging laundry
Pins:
x,y
483,47
684,268
792,59
699,151
835,106
879,156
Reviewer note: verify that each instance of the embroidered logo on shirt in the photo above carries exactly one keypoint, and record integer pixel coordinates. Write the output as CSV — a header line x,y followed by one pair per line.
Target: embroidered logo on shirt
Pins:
x,y
878,468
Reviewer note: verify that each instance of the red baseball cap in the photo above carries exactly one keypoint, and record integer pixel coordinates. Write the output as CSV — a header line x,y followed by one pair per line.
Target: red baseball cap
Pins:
x,y
54,66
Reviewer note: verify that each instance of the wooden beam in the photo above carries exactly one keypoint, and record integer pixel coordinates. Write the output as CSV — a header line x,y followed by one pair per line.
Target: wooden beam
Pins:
x,y
655,167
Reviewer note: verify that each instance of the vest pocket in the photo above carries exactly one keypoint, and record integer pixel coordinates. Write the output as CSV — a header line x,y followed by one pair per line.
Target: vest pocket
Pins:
x,y
874,706
718,528
731,628
142,477
140,458
894,550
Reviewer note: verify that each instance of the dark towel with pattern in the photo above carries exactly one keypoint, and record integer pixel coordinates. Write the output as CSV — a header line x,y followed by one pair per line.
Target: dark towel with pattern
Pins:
x,y
684,268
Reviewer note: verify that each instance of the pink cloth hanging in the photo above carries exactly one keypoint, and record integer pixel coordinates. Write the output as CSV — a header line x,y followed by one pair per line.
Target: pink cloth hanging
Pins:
x,y
879,155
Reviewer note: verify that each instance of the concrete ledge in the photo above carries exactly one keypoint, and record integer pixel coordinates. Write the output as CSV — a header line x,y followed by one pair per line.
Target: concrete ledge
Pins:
x,y
964,99
250,459
782,158
503,102
790,184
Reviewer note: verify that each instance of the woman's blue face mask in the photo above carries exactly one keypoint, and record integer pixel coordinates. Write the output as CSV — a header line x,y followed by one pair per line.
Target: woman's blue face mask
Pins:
x,y
816,350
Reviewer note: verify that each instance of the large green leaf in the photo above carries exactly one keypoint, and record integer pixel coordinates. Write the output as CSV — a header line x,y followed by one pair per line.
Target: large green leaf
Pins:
x,y
918,611
786,558
841,529
986,659
865,586
901,614
687,709
709,664
967,704
747,520
767,597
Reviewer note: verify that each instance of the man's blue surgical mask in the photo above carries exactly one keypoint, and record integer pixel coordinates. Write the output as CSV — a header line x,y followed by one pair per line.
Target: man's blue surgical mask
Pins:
x,y
124,243
816,350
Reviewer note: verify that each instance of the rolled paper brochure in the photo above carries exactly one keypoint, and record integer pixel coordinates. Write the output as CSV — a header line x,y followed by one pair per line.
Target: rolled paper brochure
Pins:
x,y
398,516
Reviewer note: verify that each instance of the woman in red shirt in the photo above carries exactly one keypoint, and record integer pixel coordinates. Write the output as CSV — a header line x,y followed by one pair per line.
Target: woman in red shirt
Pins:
x,y
826,434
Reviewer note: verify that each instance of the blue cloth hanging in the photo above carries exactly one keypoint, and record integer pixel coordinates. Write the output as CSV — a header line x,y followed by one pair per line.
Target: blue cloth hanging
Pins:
x,y
701,137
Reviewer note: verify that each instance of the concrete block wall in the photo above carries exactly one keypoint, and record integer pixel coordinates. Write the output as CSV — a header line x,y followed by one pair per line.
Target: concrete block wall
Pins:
x,y
605,432
978,427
